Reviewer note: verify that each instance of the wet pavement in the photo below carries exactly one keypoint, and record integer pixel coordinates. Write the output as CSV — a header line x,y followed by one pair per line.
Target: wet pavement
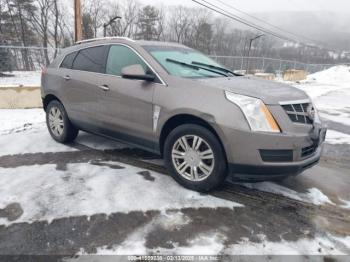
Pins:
x,y
275,216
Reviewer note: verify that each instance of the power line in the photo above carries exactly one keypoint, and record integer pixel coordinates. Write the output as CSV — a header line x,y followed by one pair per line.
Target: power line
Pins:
x,y
223,12
241,20
265,22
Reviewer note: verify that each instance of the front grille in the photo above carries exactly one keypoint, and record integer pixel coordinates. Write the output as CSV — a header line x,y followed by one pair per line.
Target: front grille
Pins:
x,y
308,151
298,112
283,155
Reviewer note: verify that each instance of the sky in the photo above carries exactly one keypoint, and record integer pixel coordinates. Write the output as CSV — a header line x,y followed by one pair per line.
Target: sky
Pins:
x,y
256,6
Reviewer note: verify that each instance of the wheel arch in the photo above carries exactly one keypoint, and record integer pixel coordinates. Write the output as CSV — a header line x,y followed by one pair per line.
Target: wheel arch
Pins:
x,y
181,119
48,98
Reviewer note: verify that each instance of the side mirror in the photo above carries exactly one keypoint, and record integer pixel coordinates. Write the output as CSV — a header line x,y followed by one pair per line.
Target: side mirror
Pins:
x,y
136,72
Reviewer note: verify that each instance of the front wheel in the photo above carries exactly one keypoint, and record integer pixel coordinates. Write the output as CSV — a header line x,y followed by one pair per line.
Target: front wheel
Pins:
x,y
195,158
58,123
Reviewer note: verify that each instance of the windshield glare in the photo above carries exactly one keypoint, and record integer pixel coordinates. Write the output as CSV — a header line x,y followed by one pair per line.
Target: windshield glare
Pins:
x,y
182,54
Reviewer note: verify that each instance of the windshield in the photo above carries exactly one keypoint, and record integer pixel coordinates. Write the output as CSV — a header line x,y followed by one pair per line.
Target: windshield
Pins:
x,y
166,55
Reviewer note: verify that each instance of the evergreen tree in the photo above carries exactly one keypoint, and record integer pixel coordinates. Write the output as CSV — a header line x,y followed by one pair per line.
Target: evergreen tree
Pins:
x,y
87,26
148,23
5,60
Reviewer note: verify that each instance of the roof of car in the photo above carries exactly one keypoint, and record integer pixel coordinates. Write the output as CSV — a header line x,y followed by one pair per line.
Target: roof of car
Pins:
x,y
106,40
126,39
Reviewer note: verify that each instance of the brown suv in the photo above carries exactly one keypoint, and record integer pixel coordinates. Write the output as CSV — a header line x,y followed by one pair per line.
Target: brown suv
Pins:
x,y
205,120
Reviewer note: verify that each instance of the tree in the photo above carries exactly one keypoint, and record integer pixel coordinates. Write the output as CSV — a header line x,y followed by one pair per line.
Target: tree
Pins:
x,y
87,26
149,23
126,26
95,14
40,20
5,60
20,12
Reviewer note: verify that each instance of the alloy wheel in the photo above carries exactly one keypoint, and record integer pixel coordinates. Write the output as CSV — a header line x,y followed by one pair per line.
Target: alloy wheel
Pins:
x,y
193,158
56,122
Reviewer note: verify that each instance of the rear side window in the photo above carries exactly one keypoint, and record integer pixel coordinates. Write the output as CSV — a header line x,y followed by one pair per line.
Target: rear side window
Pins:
x,y
121,56
68,60
91,59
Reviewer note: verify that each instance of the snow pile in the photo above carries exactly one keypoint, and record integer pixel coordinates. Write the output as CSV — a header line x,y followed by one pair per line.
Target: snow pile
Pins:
x,y
21,78
336,75
330,92
325,82
313,196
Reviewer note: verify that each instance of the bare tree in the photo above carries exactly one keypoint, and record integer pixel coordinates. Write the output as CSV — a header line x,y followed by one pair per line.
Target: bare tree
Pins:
x,y
180,23
19,11
55,34
126,26
40,20
96,11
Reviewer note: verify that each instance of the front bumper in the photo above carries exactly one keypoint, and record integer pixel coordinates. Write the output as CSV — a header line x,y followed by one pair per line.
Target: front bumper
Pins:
x,y
248,163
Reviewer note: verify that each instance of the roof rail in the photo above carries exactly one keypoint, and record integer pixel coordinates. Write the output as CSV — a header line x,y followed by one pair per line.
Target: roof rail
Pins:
x,y
103,38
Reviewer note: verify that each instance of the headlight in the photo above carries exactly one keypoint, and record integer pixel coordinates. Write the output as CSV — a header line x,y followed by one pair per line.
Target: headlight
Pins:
x,y
255,111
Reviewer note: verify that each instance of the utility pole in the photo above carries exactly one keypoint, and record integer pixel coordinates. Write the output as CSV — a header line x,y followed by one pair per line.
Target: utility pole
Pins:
x,y
107,24
77,21
250,47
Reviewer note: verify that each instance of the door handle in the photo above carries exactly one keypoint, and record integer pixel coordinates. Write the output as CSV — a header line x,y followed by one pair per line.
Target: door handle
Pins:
x,y
67,77
104,87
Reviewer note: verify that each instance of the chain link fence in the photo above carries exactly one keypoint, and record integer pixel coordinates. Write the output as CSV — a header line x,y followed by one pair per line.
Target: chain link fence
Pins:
x,y
267,65
18,58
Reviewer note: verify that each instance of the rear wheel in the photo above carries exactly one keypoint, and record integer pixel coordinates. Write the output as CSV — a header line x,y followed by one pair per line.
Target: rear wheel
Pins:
x,y
195,158
58,124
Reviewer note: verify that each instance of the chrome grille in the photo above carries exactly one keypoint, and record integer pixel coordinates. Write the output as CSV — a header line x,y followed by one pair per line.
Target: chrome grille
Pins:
x,y
297,111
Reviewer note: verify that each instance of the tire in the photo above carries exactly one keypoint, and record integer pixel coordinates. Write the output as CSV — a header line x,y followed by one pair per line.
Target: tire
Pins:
x,y
195,176
66,132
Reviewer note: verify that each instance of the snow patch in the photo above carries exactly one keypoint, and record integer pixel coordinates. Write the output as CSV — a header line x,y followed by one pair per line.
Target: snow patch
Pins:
x,y
15,120
45,193
212,243
314,195
317,246
335,137
35,140
346,204
21,78
135,242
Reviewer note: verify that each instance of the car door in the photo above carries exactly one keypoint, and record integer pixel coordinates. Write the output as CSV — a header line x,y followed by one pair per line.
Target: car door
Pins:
x,y
82,85
128,103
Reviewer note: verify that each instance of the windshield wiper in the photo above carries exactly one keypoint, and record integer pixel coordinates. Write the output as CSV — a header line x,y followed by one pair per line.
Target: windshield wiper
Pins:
x,y
216,67
196,67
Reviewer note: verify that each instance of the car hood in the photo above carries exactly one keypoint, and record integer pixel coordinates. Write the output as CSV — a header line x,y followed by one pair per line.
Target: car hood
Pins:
x,y
268,91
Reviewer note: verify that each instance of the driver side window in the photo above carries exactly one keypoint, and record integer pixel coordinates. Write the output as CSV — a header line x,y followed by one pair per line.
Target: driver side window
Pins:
x,y
121,56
